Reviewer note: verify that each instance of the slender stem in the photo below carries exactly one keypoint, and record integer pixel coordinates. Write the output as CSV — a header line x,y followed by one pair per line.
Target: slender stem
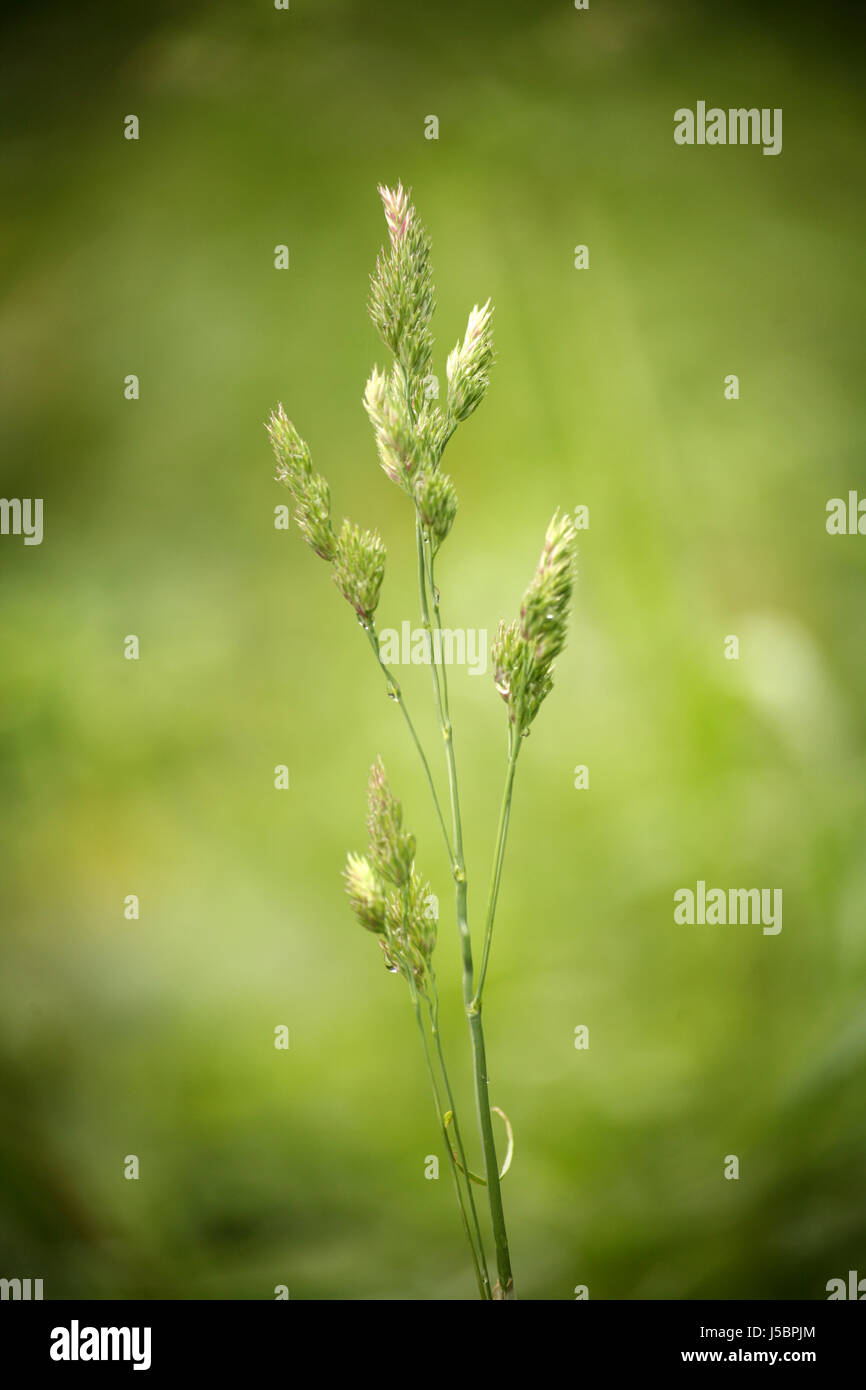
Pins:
x,y
471,1003
402,959
396,694
481,1275
433,1009
491,1163
498,857
421,546
434,595
473,1011
458,864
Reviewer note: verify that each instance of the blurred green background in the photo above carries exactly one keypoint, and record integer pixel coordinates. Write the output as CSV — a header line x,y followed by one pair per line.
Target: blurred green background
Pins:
x,y
155,1037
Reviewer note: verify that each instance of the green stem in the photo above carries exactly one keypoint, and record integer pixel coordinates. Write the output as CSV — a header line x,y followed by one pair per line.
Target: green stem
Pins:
x,y
422,545
475,1241
458,864
471,1004
396,694
433,1009
498,857
481,1274
403,960
491,1163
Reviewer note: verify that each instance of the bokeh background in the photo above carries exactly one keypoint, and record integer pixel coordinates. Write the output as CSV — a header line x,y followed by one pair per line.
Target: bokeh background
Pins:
x,y
707,518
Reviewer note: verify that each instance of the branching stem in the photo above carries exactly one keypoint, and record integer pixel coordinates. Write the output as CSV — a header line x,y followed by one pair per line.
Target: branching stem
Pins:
x,y
428,592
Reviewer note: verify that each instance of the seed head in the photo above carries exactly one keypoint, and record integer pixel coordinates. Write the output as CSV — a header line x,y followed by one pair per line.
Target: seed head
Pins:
x,y
312,513
366,892
310,492
469,363
401,289
359,568
436,499
294,464
431,433
398,211
544,611
410,932
509,655
392,850
389,416
386,893
525,650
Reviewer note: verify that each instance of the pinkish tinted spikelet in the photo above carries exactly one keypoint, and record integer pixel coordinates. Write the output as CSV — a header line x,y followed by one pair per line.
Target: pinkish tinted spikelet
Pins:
x,y
398,211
